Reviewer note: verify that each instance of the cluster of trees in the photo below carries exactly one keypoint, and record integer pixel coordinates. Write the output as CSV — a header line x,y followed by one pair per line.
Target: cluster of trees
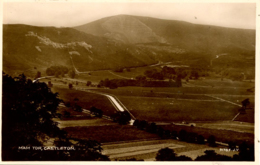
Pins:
x,y
38,75
121,69
182,135
57,70
167,154
27,112
174,73
140,81
97,112
122,118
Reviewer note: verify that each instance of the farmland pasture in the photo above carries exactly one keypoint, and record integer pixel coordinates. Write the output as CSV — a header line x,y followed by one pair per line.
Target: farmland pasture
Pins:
x,y
224,83
85,100
249,116
175,110
110,133
186,90
172,104
220,135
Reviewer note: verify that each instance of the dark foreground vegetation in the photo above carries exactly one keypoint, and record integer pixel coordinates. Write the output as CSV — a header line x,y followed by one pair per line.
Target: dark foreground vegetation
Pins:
x,y
167,154
27,112
246,150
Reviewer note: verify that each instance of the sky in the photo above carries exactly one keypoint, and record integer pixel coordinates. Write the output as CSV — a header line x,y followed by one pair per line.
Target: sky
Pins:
x,y
68,13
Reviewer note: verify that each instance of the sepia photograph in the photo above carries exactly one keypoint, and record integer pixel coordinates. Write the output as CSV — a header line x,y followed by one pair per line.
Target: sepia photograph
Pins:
x,y
131,80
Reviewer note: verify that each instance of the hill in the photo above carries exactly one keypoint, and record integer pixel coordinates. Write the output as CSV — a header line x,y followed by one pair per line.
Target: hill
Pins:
x,y
25,47
184,35
128,41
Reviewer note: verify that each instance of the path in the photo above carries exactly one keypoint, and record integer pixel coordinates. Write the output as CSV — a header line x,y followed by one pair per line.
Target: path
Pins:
x,y
224,100
119,75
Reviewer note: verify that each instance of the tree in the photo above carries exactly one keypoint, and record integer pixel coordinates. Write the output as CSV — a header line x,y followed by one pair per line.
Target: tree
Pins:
x,y
50,84
201,139
121,117
160,132
245,103
152,128
246,152
231,145
174,134
182,135
70,86
212,141
112,86
118,69
78,108
66,114
27,112
88,83
72,74
97,112
211,155
38,74
140,78
191,137
166,154
183,158
178,81
142,124
136,123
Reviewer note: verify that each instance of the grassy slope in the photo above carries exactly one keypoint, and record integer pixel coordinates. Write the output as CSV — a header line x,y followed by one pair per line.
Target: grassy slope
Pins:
x,y
86,100
20,53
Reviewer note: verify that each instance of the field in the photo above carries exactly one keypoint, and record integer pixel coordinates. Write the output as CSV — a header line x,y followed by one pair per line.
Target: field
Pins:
x,y
85,100
248,117
110,133
189,104
210,108
218,103
220,135
174,110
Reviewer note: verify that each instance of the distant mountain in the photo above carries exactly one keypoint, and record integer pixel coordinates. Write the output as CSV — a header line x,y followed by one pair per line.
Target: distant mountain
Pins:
x,y
179,34
127,41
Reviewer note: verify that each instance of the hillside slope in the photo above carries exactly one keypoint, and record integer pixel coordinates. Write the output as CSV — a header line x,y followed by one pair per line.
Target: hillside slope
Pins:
x,y
128,41
26,46
184,35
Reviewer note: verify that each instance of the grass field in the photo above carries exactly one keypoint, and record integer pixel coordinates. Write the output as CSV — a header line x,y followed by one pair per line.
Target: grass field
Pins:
x,y
111,133
224,83
169,110
249,116
228,125
86,100
84,122
170,104
238,99
186,90
220,135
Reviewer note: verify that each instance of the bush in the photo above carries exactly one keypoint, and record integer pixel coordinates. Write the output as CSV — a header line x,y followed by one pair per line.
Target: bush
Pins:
x,y
66,114
201,139
166,154
182,135
212,141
